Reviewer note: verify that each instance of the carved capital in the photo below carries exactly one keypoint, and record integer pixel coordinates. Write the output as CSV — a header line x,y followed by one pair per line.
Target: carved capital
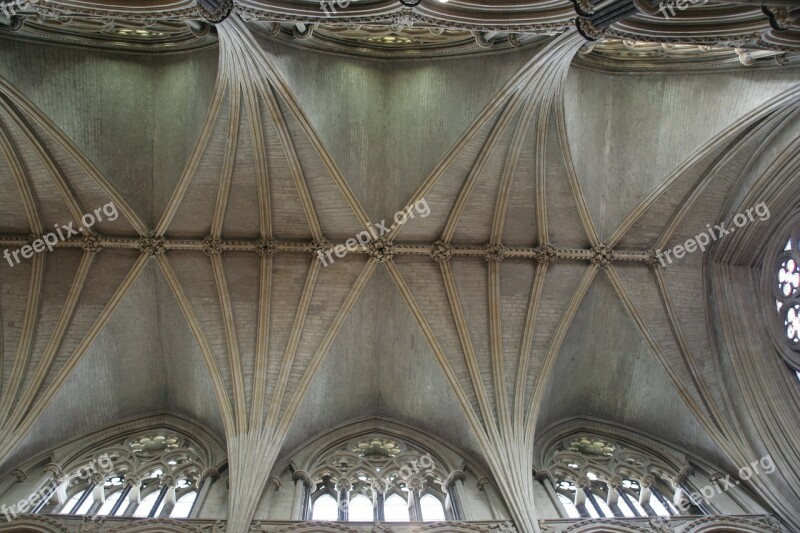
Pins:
x,y
380,485
455,475
209,473
19,475
97,478
683,476
583,482
344,484
166,481
133,480
417,482
647,481
614,482
543,475
56,472
302,475
483,483
274,482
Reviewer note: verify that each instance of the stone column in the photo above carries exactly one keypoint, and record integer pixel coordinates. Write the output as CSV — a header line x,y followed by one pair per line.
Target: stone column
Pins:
x,y
207,479
301,482
613,483
99,491
343,488
273,486
167,482
582,485
379,487
414,485
59,480
645,493
681,493
454,487
16,476
135,495
546,479
485,487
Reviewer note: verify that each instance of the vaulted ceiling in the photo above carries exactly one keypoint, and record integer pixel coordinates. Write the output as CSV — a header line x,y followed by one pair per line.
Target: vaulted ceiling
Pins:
x,y
528,295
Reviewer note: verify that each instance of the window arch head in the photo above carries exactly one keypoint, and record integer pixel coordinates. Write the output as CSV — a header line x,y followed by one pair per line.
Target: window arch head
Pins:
x,y
375,471
786,290
160,465
597,477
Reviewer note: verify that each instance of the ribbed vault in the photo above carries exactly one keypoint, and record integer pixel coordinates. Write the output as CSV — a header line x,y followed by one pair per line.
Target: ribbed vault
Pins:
x,y
535,259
